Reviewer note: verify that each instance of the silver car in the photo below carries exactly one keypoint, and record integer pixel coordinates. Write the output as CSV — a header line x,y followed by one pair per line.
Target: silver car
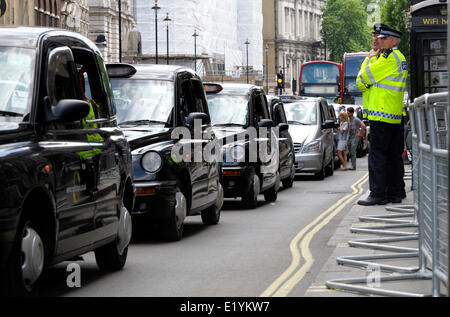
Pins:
x,y
311,127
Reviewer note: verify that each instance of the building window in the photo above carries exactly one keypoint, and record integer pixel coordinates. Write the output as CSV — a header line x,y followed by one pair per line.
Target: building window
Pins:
x,y
287,24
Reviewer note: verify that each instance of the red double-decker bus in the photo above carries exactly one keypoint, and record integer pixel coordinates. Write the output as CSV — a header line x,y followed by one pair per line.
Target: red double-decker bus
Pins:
x,y
321,79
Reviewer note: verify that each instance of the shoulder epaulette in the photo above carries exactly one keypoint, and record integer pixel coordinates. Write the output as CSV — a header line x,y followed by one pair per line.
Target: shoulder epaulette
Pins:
x,y
387,53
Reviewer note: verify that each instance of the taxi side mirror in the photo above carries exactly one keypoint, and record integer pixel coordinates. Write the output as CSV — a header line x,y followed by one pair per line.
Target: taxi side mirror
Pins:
x,y
329,124
283,127
190,120
60,63
265,123
68,110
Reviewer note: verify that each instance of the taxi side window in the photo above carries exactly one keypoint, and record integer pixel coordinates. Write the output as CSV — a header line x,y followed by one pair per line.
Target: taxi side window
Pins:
x,y
90,83
184,97
200,102
323,113
260,108
278,114
65,85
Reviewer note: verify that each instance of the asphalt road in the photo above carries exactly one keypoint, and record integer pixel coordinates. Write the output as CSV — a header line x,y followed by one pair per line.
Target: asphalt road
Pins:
x,y
250,253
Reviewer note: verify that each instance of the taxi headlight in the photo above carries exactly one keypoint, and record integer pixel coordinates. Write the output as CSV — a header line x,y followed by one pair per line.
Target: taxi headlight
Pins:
x,y
234,154
238,153
151,162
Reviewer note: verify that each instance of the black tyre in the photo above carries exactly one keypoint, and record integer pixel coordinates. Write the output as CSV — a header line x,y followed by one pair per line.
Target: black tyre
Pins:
x,y
329,170
172,228
289,182
250,199
108,257
24,269
271,195
113,256
321,174
211,215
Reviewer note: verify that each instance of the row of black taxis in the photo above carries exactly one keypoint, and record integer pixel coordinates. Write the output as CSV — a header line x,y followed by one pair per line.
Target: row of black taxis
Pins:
x,y
90,153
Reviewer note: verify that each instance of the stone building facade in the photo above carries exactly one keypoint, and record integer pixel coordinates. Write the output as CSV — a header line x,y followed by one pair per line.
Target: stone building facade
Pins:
x,y
32,13
291,37
95,19
104,27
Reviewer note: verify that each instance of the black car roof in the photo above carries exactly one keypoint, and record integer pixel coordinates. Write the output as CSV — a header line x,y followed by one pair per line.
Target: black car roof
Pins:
x,y
28,37
237,89
161,72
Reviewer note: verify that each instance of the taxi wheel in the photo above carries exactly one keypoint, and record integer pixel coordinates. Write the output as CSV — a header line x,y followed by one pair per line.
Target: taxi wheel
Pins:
x,y
211,215
289,182
249,200
172,229
113,256
271,195
24,269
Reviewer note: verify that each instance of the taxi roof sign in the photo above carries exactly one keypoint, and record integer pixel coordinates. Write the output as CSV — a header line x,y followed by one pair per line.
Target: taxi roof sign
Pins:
x,y
212,88
120,70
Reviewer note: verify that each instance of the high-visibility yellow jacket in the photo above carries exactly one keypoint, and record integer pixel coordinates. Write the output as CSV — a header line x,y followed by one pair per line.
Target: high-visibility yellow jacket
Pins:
x,y
363,88
386,79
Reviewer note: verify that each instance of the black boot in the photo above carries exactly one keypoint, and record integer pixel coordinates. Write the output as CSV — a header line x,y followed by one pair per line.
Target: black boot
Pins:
x,y
372,201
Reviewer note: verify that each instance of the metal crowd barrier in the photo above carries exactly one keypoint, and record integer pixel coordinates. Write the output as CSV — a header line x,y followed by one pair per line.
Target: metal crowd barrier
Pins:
x,y
429,125
430,134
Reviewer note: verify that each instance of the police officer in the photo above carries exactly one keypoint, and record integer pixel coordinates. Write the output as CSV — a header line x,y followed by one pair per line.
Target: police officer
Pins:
x,y
373,57
386,79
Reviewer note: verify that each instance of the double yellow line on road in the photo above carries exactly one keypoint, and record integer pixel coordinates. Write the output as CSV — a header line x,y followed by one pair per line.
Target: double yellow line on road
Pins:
x,y
299,246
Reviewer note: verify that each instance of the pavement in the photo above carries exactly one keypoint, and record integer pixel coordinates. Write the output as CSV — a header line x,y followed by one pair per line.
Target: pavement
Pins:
x,y
398,274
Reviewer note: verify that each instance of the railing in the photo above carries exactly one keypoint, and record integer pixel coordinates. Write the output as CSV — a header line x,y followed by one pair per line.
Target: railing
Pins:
x,y
429,117
429,123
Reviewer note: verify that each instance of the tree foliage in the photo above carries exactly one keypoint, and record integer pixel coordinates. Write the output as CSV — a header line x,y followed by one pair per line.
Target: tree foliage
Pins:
x,y
394,13
345,28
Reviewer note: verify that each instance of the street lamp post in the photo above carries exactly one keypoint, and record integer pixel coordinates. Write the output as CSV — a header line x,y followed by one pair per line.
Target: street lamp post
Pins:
x,y
247,43
156,8
167,21
267,67
120,30
195,35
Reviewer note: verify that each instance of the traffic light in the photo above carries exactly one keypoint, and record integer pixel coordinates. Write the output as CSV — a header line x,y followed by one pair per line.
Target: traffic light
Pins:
x,y
280,81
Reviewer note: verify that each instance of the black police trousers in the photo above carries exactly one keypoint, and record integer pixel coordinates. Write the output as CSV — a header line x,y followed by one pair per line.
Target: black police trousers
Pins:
x,y
386,167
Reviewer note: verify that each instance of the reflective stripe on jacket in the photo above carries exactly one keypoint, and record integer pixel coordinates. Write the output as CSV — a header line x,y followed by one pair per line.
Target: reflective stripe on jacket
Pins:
x,y
387,76
363,87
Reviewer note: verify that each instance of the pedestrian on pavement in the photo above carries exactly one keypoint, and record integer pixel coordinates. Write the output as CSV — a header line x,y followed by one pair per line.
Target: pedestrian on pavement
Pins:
x,y
356,131
343,134
386,80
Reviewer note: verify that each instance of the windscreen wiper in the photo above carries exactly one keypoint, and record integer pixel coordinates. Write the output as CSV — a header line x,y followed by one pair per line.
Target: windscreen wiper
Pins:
x,y
10,114
296,122
141,122
228,125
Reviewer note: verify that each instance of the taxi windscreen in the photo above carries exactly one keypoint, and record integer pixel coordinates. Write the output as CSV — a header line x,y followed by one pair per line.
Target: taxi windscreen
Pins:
x,y
16,80
143,101
301,113
228,109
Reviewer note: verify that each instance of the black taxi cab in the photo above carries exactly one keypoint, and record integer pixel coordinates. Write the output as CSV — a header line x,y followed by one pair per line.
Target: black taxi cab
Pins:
x,y
250,154
65,166
164,114
286,144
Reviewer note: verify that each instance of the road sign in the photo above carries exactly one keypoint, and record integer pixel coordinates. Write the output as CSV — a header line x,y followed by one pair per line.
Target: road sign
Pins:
x,y
3,7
